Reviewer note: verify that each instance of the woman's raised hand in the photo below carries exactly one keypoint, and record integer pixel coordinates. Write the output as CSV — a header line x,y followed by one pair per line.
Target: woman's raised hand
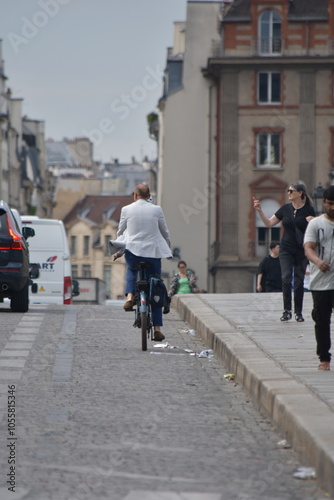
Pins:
x,y
257,204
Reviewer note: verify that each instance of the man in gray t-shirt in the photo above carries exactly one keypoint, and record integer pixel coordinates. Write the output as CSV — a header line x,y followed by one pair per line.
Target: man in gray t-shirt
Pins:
x,y
319,249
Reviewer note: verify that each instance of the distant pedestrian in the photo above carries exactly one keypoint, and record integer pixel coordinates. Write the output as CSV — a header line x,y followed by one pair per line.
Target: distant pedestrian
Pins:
x,y
294,217
319,249
185,281
269,278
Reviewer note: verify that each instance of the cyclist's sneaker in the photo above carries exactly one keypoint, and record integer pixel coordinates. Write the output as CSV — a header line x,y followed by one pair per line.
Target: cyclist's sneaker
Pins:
x,y
128,306
158,336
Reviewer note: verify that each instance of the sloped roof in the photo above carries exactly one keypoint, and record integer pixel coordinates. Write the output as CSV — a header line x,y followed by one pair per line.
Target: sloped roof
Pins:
x,y
312,9
123,168
97,209
176,57
132,173
58,153
298,10
33,155
238,11
30,157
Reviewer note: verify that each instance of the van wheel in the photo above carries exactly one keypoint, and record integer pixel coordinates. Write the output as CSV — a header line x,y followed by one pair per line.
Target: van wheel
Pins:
x,y
20,300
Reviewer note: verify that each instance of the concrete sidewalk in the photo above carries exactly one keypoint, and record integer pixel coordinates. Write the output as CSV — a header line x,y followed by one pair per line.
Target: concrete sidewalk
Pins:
x,y
276,364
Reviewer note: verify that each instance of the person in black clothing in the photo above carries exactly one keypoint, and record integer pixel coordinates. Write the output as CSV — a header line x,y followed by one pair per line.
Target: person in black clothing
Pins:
x,y
269,278
294,217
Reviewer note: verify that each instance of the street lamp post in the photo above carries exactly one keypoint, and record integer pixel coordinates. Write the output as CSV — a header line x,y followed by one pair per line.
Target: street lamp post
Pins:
x,y
318,196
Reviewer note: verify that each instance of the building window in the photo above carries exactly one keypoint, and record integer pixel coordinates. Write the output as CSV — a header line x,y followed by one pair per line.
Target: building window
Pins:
x,y
270,42
264,235
267,234
107,238
86,245
74,271
268,150
73,245
86,272
107,280
269,88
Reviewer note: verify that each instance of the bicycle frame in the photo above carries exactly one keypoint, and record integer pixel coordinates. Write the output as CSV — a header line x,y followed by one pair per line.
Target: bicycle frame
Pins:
x,y
143,316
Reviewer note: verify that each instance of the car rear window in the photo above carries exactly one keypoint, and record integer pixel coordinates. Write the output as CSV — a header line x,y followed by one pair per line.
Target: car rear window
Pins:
x,y
3,225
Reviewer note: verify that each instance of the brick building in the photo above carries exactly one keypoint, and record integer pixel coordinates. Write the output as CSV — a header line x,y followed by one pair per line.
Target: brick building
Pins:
x,y
275,119
248,108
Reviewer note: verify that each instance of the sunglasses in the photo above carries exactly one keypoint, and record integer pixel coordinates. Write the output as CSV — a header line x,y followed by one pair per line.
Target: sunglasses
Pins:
x,y
291,191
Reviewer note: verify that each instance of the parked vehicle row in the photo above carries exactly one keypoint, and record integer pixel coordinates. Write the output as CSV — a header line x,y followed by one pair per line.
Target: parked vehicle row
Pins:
x,y
38,271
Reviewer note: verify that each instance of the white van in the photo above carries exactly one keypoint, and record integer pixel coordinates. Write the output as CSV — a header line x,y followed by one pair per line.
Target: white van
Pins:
x,y
50,251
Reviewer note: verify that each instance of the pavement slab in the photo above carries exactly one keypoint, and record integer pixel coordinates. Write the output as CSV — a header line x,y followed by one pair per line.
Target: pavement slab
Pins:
x,y
275,362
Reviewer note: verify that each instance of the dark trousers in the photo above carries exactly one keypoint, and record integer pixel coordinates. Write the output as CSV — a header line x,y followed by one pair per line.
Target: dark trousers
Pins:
x,y
270,288
131,278
323,303
293,263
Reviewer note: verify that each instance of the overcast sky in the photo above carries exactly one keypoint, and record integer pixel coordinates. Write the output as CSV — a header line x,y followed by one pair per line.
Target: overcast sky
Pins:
x,y
90,67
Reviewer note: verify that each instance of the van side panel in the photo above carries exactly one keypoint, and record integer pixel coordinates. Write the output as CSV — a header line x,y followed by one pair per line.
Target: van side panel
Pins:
x,y
49,250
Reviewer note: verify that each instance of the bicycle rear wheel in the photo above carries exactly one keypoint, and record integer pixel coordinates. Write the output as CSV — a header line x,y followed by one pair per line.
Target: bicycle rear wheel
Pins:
x,y
143,321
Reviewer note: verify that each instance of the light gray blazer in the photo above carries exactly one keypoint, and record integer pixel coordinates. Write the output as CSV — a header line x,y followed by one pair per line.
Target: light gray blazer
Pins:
x,y
147,233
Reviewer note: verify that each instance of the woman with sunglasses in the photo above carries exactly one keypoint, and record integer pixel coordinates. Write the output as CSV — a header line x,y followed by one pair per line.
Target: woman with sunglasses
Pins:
x,y
294,216
184,281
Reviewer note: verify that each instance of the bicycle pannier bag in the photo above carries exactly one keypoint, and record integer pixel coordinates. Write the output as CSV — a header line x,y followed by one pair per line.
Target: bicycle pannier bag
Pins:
x,y
157,291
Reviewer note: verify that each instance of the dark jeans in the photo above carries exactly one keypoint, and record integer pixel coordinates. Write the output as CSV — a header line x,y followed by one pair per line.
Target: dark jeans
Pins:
x,y
295,262
323,303
269,288
131,278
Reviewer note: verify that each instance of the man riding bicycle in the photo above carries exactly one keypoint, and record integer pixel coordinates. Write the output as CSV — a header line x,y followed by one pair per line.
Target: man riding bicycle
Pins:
x,y
147,240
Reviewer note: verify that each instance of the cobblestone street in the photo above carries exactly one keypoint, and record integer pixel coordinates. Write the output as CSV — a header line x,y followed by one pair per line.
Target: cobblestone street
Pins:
x,y
98,418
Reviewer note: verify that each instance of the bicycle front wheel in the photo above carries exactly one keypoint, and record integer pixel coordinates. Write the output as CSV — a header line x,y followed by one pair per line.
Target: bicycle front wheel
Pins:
x,y
143,321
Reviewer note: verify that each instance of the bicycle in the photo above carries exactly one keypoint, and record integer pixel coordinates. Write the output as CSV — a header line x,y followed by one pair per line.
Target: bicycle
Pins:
x,y
142,303
143,311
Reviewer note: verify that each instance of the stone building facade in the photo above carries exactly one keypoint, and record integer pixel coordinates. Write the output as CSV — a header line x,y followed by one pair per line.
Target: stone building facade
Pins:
x,y
250,110
24,181
275,117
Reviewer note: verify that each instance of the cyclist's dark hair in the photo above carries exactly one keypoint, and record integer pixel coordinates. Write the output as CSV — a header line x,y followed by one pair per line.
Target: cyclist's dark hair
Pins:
x,y
300,186
329,193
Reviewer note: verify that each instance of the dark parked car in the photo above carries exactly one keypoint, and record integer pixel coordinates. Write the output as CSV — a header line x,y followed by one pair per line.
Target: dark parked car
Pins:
x,y
14,260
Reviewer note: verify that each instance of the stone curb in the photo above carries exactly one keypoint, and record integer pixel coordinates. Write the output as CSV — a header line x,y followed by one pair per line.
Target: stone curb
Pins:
x,y
304,419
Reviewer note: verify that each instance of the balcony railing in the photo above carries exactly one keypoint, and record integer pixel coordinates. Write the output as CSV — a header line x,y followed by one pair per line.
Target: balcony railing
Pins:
x,y
272,47
283,47
269,46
